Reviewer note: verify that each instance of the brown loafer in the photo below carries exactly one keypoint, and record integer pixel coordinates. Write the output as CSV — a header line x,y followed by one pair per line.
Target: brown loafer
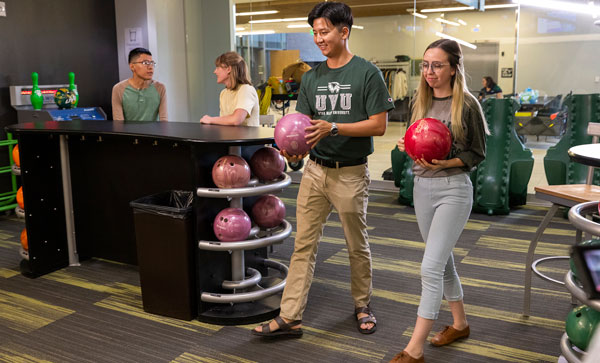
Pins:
x,y
448,335
404,357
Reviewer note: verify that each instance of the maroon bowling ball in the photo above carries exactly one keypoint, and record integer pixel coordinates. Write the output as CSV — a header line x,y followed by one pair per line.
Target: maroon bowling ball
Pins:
x,y
232,225
268,211
231,171
429,139
289,133
267,164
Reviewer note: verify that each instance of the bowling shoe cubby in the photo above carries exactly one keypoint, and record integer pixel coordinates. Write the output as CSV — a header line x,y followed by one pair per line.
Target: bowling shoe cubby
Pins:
x,y
247,279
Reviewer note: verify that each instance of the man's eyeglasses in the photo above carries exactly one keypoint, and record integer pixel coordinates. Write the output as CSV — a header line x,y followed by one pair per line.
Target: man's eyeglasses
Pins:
x,y
435,66
147,63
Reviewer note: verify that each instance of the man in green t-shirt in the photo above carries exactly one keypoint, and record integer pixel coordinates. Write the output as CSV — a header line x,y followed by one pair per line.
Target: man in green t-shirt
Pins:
x,y
347,100
140,98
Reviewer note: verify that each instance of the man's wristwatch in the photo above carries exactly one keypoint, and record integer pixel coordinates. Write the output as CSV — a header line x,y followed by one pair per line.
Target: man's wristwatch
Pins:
x,y
334,130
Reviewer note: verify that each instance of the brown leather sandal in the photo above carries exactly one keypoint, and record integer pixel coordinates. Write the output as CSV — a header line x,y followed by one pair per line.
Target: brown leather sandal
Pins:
x,y
285,329
366,319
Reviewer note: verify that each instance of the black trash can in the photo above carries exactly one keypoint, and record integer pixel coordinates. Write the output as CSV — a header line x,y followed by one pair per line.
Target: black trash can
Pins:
x,y
166,253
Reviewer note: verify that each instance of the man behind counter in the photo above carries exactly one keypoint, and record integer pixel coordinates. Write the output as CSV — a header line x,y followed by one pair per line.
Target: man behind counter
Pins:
x,y
140,98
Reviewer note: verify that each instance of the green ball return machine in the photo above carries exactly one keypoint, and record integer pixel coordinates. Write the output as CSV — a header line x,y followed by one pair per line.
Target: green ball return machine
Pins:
x,y
581,110
403,176
500,181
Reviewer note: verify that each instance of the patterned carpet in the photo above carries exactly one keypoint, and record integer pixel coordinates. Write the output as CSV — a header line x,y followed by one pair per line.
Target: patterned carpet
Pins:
x,y
93,313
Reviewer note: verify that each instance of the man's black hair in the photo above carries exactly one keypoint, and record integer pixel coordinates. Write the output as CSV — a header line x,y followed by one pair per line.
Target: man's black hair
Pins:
x,y
137,52
339,14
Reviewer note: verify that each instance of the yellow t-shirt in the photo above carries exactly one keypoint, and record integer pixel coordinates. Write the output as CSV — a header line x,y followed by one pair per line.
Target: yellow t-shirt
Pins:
x,y
243,97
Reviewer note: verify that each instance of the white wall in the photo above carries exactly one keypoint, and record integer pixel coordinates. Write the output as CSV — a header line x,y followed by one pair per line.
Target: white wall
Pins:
x,y
558,52
210,30
383,37
166,30
395,36
129,14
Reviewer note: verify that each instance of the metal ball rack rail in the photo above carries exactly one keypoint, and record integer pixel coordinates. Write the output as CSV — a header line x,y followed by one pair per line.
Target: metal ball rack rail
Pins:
x,y
247,279
577,218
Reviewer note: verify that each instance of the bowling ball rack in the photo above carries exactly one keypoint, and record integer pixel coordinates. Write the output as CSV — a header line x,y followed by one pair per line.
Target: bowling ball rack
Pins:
x,y
183,155
578,218
254,296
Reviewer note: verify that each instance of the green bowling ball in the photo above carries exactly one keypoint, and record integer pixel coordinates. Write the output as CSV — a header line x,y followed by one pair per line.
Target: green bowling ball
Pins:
x,y
591,242
580,325
65,98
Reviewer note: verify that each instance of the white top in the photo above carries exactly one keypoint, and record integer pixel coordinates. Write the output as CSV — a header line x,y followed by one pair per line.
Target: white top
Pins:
x,y
400,89
243,97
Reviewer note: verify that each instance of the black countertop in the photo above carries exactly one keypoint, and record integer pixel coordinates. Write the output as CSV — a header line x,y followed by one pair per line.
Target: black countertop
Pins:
x,y
183,131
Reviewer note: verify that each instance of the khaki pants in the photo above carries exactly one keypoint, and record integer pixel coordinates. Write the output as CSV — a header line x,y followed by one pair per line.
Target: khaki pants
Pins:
x,y
321,189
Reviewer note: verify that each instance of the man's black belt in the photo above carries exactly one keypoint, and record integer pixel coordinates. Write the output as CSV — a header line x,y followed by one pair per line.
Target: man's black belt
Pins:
x,y
338,164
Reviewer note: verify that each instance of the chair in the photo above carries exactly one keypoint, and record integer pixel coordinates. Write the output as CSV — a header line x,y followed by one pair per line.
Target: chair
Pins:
x,y
567,195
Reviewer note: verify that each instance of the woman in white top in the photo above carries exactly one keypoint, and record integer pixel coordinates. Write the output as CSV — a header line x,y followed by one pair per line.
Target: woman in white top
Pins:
x,y
238,102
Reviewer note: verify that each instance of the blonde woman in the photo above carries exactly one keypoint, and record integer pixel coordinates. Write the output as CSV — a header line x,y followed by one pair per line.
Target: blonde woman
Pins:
x,y
238,102
443,193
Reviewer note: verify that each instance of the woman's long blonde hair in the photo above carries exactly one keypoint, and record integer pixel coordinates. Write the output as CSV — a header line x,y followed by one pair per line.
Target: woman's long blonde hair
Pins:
x,y
239,70
460,92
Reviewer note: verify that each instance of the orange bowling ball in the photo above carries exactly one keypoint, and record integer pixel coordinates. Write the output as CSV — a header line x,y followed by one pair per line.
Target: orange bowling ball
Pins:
x,y
20,198
15,155
24,239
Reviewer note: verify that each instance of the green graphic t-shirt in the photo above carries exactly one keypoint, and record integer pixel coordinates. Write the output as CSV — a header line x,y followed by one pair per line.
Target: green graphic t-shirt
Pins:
x,y
347,94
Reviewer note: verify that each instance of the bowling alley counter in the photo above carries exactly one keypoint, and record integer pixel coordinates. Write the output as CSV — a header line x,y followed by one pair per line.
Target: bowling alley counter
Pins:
x,y
79,177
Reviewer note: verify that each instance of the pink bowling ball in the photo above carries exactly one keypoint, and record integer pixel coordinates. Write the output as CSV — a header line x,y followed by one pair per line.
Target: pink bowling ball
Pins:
x,y
231,171
232,225
289,133
267,164
268,211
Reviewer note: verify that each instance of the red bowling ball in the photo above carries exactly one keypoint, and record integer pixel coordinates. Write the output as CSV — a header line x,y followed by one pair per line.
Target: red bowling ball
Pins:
x,y
268,211
232,225
289,133
231,171
267,164
429,139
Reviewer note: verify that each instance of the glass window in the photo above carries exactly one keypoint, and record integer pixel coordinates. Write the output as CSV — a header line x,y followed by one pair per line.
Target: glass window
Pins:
x,y
528,48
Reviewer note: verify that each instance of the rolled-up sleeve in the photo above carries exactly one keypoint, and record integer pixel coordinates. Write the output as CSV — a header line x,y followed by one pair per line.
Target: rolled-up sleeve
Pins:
x,y
162,108
474,152
117,102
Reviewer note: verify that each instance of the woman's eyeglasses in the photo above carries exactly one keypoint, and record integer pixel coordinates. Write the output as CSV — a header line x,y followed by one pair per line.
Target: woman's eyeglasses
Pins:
x,y
435,66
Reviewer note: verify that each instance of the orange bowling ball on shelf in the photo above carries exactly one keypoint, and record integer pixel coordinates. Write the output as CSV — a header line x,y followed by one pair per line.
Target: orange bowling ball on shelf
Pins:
x,y
15,155
20,198
24,239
